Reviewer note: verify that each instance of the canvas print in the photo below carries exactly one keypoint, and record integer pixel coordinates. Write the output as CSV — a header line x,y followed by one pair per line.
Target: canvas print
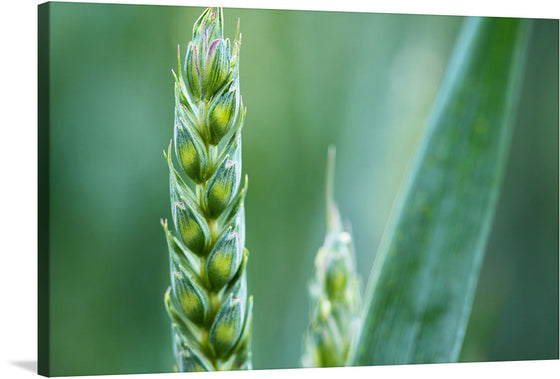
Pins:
x,y
244,189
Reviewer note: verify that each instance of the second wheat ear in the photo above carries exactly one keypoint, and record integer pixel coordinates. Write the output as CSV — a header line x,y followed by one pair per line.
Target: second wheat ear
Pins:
x,y
334,290
207,301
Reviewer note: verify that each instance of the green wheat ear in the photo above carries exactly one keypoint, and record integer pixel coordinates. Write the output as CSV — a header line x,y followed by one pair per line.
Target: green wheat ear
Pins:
x,y
334,290
207,301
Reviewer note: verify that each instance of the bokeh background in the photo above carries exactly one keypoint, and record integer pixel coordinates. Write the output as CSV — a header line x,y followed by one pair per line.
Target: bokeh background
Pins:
x,y
364,82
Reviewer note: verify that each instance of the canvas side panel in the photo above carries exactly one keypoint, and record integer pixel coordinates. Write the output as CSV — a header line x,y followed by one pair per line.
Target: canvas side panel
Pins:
x,y
43,360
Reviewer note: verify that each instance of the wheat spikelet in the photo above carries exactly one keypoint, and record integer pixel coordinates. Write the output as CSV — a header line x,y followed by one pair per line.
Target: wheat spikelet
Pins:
x,y
207,301
334,291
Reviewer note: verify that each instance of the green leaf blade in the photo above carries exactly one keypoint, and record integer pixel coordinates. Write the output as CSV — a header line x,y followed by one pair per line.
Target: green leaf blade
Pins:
x,y
422,283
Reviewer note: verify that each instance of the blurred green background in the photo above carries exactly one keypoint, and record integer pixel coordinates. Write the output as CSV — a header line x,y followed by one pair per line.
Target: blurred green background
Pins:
x,y
364,82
